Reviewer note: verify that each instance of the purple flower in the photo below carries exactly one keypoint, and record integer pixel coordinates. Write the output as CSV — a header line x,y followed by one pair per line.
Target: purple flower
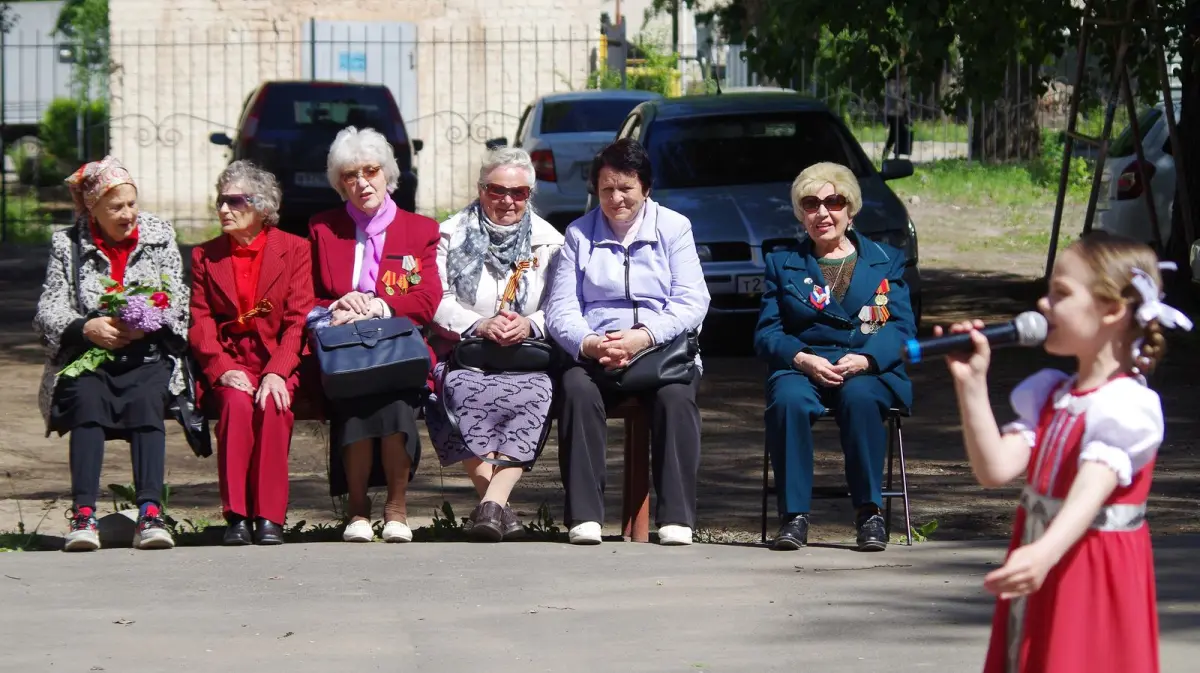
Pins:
x,y
140,313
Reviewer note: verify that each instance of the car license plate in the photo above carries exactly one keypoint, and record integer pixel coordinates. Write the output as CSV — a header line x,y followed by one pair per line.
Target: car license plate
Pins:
x,y
749,284
310,179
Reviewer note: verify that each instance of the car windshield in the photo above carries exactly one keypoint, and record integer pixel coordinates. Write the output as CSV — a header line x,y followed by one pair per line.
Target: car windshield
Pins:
x,y
295,108
747,149
1123,145
585,116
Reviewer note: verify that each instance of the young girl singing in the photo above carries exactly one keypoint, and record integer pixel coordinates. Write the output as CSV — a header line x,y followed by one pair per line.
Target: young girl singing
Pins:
x,y
1076,594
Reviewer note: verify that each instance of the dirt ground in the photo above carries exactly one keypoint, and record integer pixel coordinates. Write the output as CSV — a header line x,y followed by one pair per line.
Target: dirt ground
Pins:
x,y
975,263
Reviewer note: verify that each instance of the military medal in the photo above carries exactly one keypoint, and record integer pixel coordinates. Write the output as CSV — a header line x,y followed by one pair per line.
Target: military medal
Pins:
x,y
881,300
389,278
412,271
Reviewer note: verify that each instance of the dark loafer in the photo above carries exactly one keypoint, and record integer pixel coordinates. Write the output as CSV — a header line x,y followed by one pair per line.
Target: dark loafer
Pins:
x,y
792,535
267,532
872,533
488,525
512,525
237,533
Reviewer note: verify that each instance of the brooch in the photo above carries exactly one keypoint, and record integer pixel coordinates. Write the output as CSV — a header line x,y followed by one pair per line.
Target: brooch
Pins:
x,y
820,297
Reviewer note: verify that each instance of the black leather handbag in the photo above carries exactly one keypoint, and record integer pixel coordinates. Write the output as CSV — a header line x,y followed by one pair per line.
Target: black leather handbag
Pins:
x,y
657,366
488,357
183,409
371,357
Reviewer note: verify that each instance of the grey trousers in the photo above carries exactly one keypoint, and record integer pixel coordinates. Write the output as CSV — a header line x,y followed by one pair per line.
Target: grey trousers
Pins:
x,y
674,447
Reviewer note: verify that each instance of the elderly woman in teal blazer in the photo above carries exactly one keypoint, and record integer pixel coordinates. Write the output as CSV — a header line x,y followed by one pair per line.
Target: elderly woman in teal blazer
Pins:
x,y
835,312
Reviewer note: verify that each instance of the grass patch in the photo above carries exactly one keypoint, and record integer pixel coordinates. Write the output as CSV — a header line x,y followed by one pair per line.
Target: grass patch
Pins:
x,y
870,131
965,182
25,222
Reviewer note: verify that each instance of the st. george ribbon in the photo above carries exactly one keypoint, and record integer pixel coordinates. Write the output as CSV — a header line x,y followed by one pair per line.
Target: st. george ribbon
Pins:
x,y
1027,329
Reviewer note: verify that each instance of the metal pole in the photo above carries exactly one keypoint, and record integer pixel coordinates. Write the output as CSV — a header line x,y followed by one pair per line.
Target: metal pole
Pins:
x,y
3,144
1068,146
312,48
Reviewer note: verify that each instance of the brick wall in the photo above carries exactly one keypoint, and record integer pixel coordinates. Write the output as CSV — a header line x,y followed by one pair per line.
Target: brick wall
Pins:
x,y
184,67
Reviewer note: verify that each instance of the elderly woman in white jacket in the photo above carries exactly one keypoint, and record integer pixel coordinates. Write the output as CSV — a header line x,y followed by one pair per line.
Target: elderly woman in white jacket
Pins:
x,y
493,258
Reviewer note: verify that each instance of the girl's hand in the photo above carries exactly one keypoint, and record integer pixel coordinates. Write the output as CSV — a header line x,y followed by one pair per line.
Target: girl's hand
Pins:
x,y
968,367
1022,574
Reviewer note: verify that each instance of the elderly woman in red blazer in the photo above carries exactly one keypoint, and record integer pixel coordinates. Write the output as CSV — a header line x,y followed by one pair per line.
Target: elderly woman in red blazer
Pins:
x,y
251,291
371,259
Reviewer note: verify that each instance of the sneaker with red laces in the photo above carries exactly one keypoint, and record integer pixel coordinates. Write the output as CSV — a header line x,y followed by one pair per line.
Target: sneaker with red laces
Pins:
x,y
152,533
83,531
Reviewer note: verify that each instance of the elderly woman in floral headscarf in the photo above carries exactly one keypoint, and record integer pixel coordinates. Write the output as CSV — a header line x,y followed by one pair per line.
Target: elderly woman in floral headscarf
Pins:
x,y
494,256
109,372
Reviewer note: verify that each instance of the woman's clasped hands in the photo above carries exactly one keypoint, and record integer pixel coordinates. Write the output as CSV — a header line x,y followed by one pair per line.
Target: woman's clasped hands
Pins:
x,y
616,349
354,306
506,328
827,374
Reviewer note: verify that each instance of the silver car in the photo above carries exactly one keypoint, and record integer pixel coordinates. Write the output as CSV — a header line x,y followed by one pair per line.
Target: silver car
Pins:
x,y
727,162
562,133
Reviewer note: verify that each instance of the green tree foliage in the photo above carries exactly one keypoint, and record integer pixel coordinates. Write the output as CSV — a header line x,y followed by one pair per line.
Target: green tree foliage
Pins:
x,y
85,24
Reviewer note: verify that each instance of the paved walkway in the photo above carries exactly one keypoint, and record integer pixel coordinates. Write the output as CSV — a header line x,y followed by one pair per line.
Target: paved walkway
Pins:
x,y
524,607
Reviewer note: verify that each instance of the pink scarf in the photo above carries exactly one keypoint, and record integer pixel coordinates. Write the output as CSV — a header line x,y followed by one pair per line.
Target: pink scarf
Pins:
x,y
374,226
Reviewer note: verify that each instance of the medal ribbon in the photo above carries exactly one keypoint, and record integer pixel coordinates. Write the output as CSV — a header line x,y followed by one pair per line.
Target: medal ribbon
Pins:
x,y
514,282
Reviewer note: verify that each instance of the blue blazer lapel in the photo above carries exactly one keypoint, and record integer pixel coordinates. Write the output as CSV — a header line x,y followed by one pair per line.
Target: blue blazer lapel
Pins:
x,y
802,261
871,270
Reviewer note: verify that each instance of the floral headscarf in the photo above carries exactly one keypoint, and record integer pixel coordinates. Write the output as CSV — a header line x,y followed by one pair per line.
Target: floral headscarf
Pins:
x,y
93,180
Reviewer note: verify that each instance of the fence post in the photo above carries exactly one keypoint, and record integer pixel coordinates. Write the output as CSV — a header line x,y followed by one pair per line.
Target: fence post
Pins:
x,y
312,48
3,143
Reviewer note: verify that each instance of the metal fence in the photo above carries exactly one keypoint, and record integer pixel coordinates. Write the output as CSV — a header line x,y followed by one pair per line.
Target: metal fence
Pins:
x,y
157,98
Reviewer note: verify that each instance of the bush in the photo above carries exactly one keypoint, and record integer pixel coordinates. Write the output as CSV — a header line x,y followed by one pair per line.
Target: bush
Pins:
x,y
1047,168
36,167
60,134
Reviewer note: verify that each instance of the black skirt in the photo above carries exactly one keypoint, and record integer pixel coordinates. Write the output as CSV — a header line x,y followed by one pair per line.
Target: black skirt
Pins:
x,y
372,418
129,393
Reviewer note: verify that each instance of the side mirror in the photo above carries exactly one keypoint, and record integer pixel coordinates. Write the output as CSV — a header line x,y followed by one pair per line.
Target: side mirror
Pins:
x,y
496,143
894,169
220,139
418,145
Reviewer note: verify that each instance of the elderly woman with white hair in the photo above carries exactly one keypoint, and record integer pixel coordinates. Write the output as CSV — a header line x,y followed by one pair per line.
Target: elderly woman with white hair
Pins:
x,y
835,312
251,290
494,256
371,259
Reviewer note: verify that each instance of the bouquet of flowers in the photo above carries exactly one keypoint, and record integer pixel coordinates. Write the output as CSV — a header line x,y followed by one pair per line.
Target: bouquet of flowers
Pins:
x,y
141,307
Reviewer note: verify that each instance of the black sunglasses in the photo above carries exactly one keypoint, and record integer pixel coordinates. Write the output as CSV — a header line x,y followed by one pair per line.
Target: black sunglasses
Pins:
x,y
235,201
832,203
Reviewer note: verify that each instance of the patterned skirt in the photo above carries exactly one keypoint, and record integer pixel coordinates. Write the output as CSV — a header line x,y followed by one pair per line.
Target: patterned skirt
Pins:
x,y
505,414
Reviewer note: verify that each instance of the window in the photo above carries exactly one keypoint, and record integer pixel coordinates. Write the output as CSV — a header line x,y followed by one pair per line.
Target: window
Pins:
x,y
1123,145
519,139
585,116
744,149
300,107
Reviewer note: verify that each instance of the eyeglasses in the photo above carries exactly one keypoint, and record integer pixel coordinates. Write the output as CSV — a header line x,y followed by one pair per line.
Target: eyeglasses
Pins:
x,y
235,201
350,178
832,203
500,191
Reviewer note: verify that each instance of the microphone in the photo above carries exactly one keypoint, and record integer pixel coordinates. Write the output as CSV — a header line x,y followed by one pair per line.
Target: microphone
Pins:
x,y
1027,329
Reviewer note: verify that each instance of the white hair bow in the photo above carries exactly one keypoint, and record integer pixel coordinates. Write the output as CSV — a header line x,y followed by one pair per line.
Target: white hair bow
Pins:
x,y
1152,307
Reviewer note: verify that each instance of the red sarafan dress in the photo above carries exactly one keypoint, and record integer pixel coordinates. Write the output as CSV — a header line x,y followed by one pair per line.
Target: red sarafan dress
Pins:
x,y
1096,611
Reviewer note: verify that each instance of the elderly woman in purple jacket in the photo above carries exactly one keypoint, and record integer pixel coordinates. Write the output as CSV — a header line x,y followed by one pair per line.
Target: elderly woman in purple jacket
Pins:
x,y
631,253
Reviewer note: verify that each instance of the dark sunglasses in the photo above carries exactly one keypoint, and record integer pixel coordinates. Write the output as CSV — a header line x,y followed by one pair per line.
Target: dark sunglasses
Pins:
x,y
350,178
832,203
499,192
235,201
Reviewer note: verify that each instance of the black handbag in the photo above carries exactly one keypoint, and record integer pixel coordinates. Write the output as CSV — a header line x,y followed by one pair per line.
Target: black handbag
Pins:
x,y
371,357
488,357
657,366
183,409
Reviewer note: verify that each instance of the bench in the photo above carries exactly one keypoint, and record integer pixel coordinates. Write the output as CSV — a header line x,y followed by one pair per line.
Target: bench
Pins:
x,y
895,449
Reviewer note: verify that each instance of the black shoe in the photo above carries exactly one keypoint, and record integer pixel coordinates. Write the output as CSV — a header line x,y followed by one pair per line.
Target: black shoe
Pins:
x,y
267,532
792,535
488,525
511,524
872,533
237,533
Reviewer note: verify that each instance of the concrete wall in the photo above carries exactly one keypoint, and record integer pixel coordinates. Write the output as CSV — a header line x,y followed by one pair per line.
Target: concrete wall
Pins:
x,y
184,68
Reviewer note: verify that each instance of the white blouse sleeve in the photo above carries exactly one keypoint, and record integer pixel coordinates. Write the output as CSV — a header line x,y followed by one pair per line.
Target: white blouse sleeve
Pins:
x,y
1028,399
1124,428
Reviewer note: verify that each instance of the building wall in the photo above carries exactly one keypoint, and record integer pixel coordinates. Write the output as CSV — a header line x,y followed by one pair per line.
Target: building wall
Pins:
x,y
184,67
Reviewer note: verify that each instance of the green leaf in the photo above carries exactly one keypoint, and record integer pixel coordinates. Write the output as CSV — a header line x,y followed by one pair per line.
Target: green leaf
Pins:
x,y
90,361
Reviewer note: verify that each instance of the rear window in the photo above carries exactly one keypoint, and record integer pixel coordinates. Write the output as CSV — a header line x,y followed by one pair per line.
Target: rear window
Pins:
x,y
298,108
747,149
1123,145
585,116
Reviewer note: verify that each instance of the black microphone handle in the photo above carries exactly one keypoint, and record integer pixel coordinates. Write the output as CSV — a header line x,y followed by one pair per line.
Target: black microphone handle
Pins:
x,y
997,335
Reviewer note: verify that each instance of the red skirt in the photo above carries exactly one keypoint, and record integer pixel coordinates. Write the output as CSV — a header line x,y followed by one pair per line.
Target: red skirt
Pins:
x,y
1095,613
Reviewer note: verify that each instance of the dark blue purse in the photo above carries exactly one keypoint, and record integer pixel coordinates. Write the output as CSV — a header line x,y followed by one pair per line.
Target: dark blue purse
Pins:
x,y
371,357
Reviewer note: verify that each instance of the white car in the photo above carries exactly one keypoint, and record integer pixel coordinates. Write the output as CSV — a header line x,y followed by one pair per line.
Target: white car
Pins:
x,y
1121,206
562,133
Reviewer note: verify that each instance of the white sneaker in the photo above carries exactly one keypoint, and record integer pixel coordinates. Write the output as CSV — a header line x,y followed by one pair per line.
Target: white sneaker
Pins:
x,y
587,532
672,535
152,533
397,531
358,531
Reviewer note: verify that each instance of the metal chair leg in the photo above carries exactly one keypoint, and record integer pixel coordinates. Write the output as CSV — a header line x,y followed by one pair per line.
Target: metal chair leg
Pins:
x,y
904,480
765,486
891,454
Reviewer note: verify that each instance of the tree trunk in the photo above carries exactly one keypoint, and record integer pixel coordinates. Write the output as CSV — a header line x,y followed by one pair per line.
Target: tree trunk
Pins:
x,y
1189,138
1007,129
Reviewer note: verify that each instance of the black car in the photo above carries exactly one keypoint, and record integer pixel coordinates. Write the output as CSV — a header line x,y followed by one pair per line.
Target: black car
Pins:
x,y
287,128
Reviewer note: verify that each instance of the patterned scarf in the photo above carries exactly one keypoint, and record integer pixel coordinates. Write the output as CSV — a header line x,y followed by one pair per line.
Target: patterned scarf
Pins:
x,y
374,227
478,244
